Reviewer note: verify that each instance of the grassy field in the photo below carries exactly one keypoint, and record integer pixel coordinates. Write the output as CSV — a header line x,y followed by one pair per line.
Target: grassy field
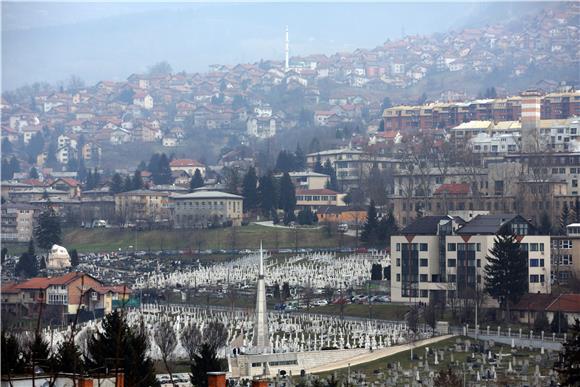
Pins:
x,y
379,311
247,237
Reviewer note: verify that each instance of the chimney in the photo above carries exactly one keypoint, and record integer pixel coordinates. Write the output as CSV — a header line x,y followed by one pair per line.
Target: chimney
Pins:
x,y
260,383
530,120
216,379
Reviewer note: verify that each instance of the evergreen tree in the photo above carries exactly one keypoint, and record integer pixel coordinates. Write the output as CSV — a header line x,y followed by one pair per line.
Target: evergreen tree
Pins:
x,y
329,170
119,346
559,323
82,170
232,180
568,364
39,352
204,362
7,147
14,165
51,160
163,174
387,227
318,168
299,159
35,147
7,173
541,322
69,358
33,174
276,292
564,218
116,184
286,290
74,258
27,265
545,227
506,274
128,185
267,194
196,181
153,165
250,190
96,179
287,199
137,182
90,182
369,232
11,361
376,272
285,162
47,231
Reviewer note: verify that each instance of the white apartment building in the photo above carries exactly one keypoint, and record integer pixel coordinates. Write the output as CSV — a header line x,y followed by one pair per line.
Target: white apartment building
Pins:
x,y
442,256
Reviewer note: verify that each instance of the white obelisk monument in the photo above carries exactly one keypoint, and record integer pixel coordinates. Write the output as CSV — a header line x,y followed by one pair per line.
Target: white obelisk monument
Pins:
x,y
261,339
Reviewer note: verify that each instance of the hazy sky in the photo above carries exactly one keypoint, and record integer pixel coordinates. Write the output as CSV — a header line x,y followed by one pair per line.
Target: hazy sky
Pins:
x,y
49,41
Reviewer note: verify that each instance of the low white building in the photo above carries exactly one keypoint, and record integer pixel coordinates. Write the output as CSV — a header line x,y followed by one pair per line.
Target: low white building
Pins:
x,y
202,209
497,144
261,127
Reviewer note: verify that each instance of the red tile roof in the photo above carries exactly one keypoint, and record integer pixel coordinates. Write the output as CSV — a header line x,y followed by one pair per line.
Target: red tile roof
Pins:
x,y
43,283
322,191
185,163
534,302
453,189
567,303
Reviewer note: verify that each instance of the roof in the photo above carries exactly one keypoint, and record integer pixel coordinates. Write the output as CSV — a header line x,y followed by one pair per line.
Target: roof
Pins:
x,y
207,195
453,189
486,224
568,303
335,151
9,288
427,225
307,174
68,181
322,191
185,163
142,192
43,283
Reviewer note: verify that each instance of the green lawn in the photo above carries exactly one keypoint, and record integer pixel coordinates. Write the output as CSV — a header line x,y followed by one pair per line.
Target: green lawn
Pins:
x,y
246,237
379,311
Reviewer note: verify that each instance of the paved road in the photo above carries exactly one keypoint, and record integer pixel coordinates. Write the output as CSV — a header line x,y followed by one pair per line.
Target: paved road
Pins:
x,y
375,355
523,342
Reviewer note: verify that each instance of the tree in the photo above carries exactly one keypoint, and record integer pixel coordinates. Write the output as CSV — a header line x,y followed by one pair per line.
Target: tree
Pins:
x,y
203,362
27,265
119,346
160,169
33,174
276,292
74,258
541,322
4,253
506,274
232,180
559,323
387,227
166,340
128,184
116,184
299,159
564,218
318,168
35,147
215,335
369,232
306,216
545,227
329,170
75,83
412,318
287,199
285,162
47,231
6,147
160,68
386,103
250,190
137,182
286,291
196,181
11,361
447,379
568,364
267,194
191,340
376,272
68,358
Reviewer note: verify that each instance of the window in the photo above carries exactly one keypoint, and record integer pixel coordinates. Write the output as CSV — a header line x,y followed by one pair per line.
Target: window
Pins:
x,y
534,262
534,278
424,262
423,278
566,244
423,247
451,263
533,247
451,247
541,247
398,247
398,277
398,262
479,263
424,293
452,278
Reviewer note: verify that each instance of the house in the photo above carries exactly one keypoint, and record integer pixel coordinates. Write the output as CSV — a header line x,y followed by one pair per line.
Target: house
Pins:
x,y
62,298
143,99
531,305
67,184
261,126
309,180
201,209
352,216
119,136
142,205
170,141
321,117
187,165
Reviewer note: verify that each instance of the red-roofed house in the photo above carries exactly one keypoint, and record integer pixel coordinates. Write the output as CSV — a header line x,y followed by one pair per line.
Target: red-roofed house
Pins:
x,y
59,298
188,166
315,198
531,304
73,186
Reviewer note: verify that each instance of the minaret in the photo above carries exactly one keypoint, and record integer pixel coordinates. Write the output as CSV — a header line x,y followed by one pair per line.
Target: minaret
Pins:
x,y
287,52
261,339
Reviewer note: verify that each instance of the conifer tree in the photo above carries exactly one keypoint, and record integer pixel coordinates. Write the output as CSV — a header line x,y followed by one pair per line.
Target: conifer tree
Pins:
x,y
318,168
196,181
137,182
369,232
128,185
568,364
33,174
68,358
287,199
116,184
250,190
267,194
204,362
48,231
506,274
74,258
299,159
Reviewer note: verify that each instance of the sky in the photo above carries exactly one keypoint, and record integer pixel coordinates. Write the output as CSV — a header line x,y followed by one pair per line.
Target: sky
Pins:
x,y
50,41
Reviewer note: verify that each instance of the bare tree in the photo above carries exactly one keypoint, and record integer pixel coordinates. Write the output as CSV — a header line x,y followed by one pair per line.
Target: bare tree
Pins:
x,y
191,340
166,340
215,335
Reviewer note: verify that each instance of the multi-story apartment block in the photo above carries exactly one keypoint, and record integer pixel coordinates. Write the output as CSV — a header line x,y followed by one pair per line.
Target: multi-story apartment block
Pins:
x,y
442,257
142,205
18,221
566,255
